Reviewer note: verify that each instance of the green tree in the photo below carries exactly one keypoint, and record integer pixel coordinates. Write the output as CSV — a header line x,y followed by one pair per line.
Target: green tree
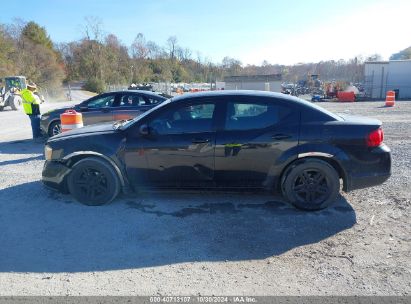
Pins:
x,y
7,50
37,34
402,55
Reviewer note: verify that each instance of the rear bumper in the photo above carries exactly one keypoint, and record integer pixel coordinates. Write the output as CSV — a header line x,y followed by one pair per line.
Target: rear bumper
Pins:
x,y
54,175
373,170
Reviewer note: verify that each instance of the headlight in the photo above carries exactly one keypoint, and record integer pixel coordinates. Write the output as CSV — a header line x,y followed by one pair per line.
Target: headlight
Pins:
x,y
48,151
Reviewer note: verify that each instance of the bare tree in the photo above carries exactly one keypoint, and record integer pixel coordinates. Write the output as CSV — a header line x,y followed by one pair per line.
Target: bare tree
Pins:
x,y
92,28
172,45
139,48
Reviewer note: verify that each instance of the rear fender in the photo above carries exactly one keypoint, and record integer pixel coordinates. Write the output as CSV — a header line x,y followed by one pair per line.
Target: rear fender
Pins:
x,y
337,158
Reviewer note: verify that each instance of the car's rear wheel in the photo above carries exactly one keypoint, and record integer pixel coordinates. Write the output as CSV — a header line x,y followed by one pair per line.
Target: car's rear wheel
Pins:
x,y
311,184
93,182
54,128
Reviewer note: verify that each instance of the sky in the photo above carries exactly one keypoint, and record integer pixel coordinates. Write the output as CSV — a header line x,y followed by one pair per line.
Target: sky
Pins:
x,y
280,32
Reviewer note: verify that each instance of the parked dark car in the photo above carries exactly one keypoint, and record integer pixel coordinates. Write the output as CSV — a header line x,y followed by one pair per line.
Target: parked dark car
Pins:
x,y
104,107
226,139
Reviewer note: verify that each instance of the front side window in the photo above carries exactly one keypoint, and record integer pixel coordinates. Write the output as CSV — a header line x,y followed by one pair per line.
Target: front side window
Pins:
x,y
102,102
250,115
185,119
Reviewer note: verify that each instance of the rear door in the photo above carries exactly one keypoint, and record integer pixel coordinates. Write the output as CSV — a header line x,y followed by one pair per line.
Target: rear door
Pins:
x,y
255,135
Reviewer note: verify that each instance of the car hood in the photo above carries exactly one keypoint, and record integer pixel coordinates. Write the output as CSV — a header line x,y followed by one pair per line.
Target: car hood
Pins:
x,y
59,110
106,127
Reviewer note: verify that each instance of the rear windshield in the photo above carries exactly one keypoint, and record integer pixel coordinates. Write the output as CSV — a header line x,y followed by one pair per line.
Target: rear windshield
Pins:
x,y
315,107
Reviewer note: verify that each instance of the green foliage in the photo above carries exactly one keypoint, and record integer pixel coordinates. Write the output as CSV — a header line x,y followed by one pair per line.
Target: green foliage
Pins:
x,y
37,34
402,55
95,85
7,50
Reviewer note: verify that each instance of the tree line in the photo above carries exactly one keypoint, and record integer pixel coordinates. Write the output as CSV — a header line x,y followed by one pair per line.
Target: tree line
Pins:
x,y
101,59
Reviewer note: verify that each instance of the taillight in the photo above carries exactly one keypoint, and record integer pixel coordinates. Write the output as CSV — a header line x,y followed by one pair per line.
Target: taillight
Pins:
x,y
375,138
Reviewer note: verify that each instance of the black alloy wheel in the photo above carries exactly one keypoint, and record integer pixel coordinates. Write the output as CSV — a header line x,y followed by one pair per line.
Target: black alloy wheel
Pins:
x,y
93,182
55,128
311,184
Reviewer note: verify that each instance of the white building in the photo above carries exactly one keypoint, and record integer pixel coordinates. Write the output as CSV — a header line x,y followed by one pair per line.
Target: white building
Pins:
x,y
383,76
257,82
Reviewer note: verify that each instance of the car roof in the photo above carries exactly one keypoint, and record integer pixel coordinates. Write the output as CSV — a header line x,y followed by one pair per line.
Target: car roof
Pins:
x,y
234,93
284,97
155,94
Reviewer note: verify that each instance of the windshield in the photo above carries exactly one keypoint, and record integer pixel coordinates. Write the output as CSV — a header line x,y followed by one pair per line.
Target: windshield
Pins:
x,y
15,82
129,123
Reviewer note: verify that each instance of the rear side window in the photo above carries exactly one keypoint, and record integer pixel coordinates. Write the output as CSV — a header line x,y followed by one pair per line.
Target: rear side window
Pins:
x,y
131,100
151,101
136,100
258,115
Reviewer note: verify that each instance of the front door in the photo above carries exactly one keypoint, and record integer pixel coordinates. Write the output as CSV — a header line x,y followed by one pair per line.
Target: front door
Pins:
x,y
179,151
98,109
255,135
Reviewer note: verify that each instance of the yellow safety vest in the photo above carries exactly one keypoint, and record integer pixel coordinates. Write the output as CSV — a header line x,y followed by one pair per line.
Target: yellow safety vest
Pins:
x,y
28,101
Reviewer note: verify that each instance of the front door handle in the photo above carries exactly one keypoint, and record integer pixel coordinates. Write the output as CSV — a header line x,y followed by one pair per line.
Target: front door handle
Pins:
x,y
280,136
200,140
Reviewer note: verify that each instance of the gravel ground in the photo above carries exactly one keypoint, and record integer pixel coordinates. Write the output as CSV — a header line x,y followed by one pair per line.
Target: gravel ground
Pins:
x,y
207,243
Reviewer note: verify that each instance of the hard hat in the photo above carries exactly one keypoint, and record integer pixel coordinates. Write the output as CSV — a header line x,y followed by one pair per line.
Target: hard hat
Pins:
x,y
32,85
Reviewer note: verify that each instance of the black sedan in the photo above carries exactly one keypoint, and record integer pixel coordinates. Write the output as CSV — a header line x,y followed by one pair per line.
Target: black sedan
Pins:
x,y
226,139
104,107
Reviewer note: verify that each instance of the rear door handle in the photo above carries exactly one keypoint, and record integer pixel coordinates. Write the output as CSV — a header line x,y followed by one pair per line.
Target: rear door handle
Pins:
x,y
280,136
200,140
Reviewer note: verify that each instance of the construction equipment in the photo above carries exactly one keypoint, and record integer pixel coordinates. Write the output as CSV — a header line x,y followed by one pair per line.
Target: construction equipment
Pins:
x,y
10,92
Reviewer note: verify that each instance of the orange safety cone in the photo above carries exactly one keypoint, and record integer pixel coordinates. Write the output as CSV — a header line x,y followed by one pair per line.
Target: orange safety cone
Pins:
x,y
71,120
390,99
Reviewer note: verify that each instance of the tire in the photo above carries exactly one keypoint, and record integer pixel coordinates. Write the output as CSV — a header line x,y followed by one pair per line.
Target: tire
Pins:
x,y
15,102
311,184
54,128
1,108
93,182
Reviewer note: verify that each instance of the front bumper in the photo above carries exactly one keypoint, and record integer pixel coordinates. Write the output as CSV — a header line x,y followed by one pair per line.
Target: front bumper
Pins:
x,y
54,175
373,170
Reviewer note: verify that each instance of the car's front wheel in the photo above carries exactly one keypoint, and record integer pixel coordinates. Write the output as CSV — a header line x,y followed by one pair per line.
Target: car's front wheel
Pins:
x,y
93,182
311,185
54,128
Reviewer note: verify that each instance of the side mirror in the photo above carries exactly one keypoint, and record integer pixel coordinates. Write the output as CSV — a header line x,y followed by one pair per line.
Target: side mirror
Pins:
x,y
144,130
83,108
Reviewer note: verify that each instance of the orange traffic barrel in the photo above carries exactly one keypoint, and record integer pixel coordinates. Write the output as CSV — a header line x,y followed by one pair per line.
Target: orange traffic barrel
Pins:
x,y
71,120
390,99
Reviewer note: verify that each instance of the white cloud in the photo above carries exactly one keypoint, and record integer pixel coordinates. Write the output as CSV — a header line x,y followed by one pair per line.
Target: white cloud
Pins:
x,y
382,28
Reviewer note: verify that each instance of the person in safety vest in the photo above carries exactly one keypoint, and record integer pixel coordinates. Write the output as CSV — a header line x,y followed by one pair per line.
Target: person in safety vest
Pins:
x,y
31,106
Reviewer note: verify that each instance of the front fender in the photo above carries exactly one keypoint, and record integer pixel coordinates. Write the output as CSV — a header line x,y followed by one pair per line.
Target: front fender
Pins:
x,y
72,158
